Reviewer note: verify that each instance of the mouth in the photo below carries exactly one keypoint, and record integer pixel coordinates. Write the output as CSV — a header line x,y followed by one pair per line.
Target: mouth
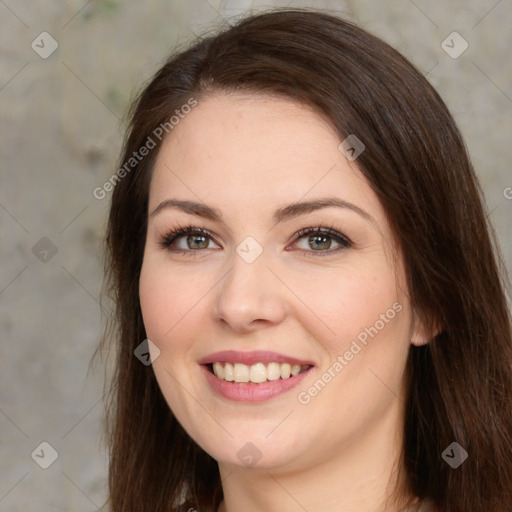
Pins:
x,y
256,373
253,376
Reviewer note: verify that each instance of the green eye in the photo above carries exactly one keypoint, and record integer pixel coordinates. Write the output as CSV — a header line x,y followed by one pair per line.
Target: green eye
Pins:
x,y
196,240
320,241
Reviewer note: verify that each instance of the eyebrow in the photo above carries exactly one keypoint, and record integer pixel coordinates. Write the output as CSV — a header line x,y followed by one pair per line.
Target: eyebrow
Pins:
x,y
280,215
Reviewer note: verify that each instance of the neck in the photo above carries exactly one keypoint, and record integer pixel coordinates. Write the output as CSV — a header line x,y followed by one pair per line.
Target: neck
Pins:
x,y
359,475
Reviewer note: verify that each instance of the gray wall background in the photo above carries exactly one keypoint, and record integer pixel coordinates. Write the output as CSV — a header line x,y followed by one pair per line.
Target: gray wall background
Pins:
x,y
61,123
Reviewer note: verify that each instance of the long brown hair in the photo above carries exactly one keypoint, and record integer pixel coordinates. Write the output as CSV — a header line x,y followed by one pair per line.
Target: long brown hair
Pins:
x,y
459,384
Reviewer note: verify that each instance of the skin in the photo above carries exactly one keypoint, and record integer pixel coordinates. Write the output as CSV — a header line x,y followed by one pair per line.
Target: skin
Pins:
x,y
247,156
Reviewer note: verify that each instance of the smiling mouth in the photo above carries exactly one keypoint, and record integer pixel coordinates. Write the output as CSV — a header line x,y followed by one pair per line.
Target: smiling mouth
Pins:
x,y
258,373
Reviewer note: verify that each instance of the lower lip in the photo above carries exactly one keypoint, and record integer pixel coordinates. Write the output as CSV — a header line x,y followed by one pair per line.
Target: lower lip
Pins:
x,y
248,392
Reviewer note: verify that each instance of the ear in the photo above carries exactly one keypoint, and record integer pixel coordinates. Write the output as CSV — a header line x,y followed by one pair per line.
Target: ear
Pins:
x,y
422,333
419,339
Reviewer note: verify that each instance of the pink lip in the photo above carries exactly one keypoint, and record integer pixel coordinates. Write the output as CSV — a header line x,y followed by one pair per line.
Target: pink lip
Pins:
x,y
248,392
249,358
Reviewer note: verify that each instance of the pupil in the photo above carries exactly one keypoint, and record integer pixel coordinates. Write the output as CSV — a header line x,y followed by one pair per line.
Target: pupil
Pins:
x,y
313,239
193,239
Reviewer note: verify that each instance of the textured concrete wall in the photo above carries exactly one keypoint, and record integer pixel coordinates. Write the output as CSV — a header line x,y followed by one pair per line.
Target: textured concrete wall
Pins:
x,y
61,111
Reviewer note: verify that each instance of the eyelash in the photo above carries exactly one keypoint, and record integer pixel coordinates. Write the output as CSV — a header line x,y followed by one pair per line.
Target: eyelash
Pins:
x,y
178,231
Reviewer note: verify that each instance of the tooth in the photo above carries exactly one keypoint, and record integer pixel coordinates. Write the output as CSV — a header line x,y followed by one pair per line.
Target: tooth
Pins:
x,y
241,372
285,370
273,371
258,373
228,372
218,370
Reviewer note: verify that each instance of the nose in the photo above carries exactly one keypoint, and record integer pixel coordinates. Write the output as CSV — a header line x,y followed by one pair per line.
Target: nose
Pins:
x,y
250,296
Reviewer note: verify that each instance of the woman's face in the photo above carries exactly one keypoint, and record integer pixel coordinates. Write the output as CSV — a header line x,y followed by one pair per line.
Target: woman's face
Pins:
x,y
257,299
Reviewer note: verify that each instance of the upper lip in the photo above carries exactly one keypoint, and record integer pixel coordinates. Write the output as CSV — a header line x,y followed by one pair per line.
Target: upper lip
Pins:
x,y
250,358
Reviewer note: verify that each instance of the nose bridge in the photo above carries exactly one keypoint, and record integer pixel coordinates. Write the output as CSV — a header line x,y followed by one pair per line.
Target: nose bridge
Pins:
x,y
249,291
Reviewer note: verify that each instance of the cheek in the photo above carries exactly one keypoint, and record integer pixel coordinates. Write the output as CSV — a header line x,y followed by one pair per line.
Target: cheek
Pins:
x,y
170,302
366,355
161,304
348,303
153,302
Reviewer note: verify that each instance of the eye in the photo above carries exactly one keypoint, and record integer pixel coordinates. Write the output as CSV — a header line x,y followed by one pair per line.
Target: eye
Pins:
x,y
191,241
319,241
188,240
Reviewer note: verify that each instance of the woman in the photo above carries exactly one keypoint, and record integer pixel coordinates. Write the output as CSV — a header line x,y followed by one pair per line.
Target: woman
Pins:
x,y
297,239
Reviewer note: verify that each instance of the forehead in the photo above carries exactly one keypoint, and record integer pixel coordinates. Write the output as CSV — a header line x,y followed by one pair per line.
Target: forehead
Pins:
x,y
247,151
234,127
